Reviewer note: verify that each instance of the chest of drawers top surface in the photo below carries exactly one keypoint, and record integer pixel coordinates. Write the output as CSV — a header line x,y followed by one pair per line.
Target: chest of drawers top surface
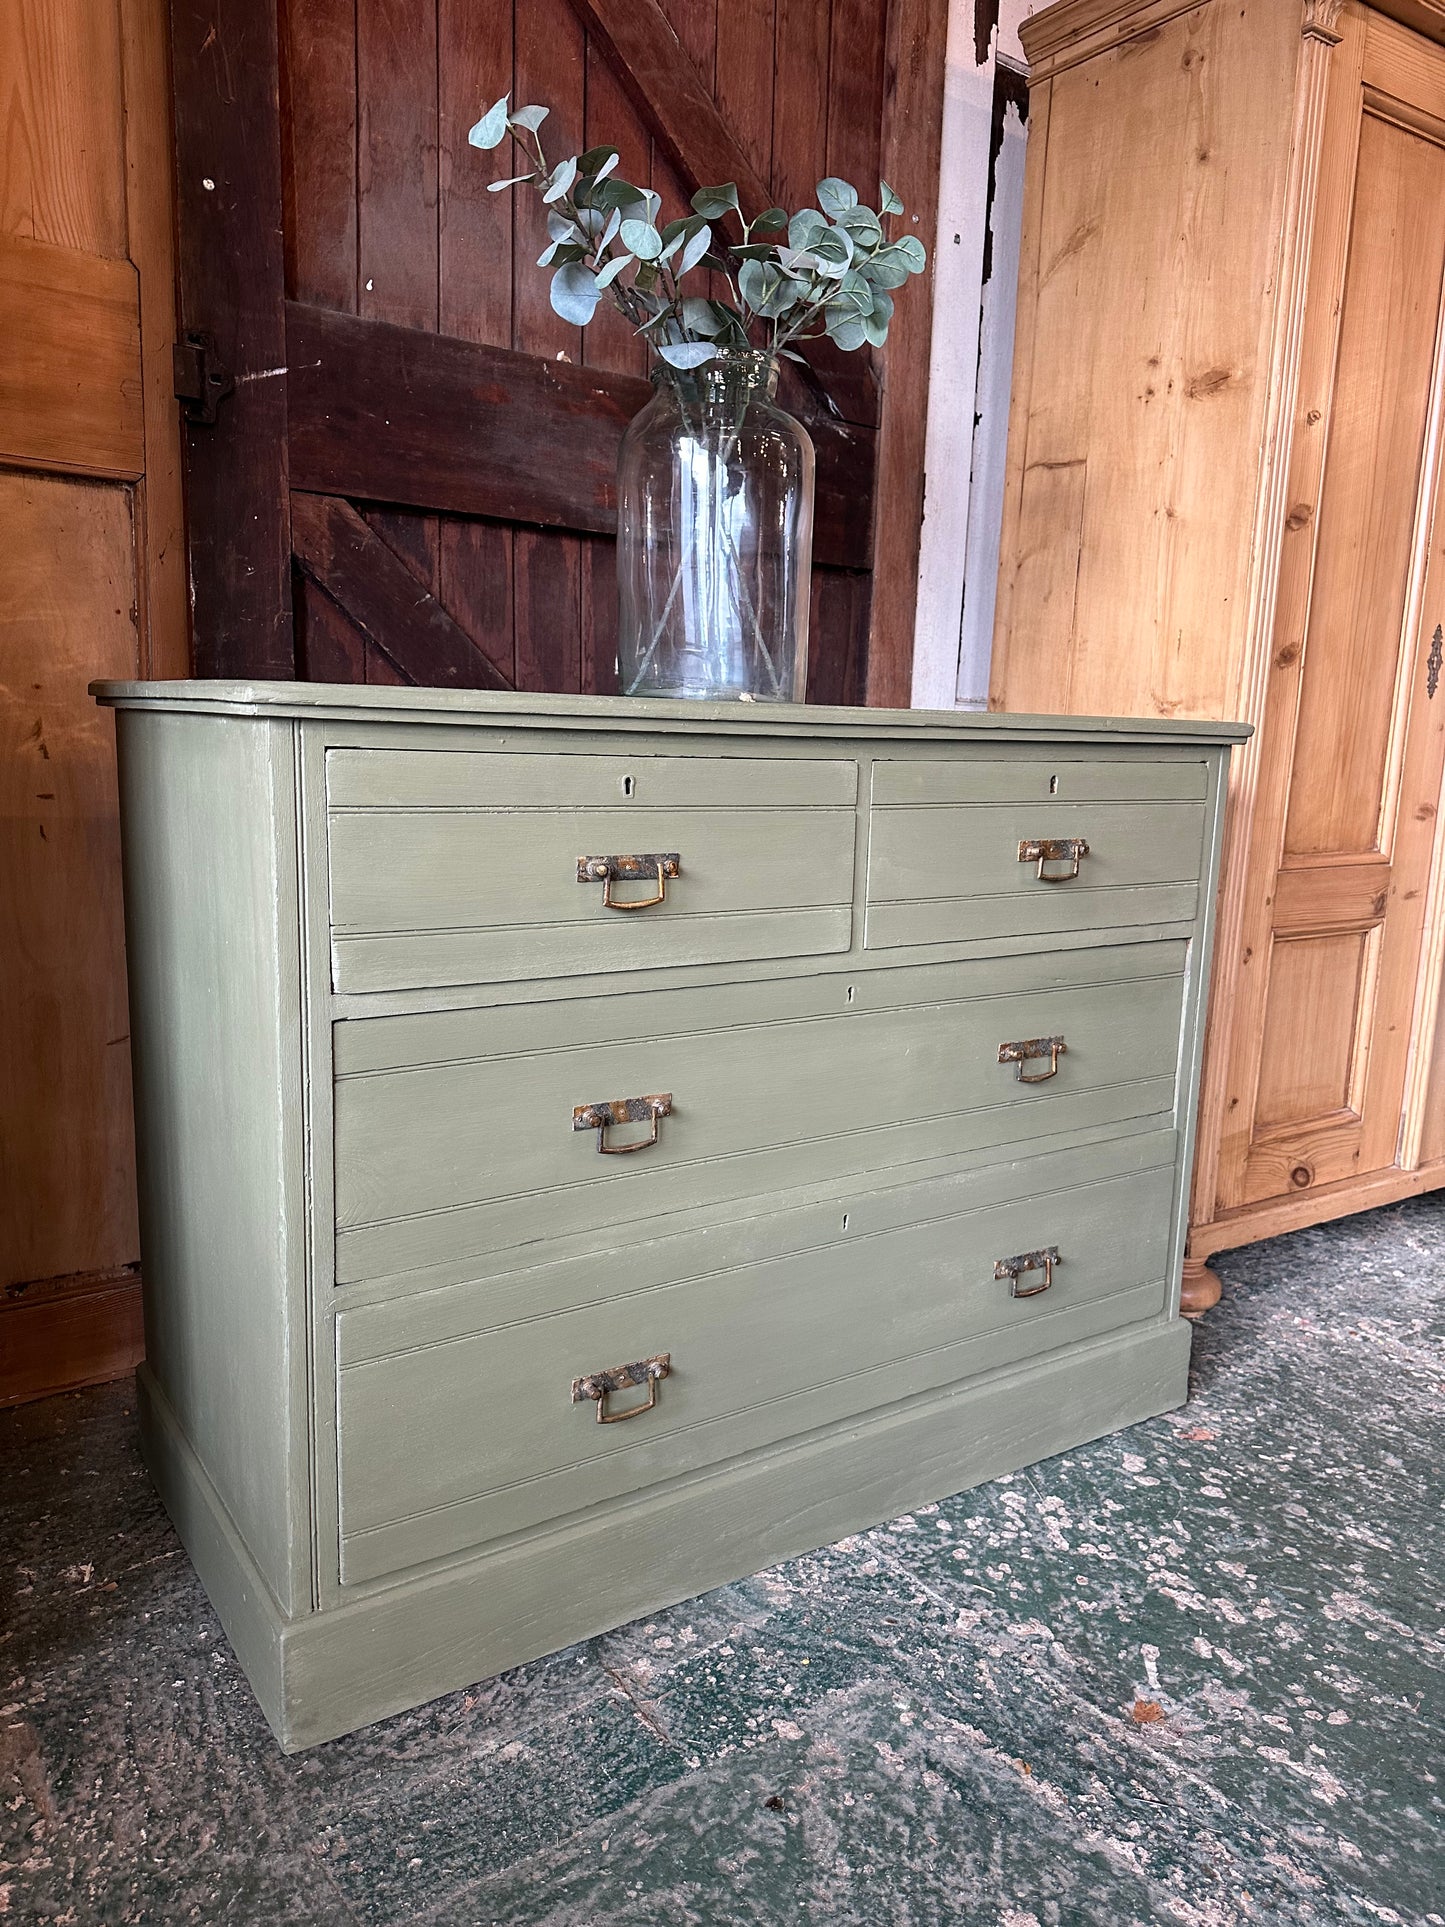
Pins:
x,y
916,998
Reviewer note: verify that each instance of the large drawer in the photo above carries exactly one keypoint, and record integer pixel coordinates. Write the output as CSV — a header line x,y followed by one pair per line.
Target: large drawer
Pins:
x,y
455,1131
772,1326
946,862
454,867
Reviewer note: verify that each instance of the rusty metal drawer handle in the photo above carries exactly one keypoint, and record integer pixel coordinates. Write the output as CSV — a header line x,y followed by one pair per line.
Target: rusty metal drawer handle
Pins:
x,y
597,1385
1054,849
1014,1268
608,870
622,1110
1029,1048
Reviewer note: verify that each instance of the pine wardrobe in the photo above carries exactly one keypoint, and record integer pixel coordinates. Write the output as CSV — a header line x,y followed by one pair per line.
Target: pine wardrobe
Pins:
x,y
1223,500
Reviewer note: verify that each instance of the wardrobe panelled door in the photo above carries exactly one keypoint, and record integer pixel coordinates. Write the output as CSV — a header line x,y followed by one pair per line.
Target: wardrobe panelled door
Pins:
x,y
1237,512
595,1148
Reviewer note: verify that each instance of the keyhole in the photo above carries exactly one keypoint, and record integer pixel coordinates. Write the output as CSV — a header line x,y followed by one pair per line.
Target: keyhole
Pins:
x,y
627,786
850,993
1053,786
845,1220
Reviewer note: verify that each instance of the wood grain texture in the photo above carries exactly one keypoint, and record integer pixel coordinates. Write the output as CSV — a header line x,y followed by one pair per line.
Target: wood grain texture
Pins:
x,y
1125,580
60,180
70,378
225,65
67,606
376,591
912,135
64,1333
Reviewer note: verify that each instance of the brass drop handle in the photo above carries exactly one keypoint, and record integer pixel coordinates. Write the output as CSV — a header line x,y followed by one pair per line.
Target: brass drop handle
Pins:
x,y
1026,1050
597,1385
623,1110
1014,1268
1054,849
608,870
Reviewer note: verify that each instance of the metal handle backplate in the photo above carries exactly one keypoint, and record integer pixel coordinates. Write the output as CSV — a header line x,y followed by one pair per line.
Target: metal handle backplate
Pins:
x,y
1014,1268
1026,1050
1054,849
597,1385
623,1110
607,870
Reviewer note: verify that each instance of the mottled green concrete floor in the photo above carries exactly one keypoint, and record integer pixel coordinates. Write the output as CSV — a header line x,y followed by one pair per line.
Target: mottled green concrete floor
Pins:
x,y
1191,1674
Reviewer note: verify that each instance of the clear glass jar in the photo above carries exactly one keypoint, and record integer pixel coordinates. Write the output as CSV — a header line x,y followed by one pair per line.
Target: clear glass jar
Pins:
x,y
715,537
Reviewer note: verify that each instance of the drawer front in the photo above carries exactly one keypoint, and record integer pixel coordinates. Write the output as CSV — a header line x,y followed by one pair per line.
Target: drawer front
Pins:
x,y
462,867
945,863
454,1131
770,1328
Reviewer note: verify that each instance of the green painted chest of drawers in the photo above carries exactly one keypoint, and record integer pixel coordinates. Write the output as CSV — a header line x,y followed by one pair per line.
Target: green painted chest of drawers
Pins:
x,y
591,1150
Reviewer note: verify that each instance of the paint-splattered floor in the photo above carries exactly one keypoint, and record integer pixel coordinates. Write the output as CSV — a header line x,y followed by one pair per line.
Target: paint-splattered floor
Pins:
x,y
1191,1674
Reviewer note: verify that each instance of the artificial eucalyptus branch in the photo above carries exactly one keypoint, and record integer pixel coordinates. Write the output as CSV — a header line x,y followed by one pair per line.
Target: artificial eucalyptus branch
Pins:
x,y
825,270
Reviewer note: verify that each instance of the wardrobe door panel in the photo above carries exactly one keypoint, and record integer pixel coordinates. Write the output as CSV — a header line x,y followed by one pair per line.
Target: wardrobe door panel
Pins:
x,y
1340,926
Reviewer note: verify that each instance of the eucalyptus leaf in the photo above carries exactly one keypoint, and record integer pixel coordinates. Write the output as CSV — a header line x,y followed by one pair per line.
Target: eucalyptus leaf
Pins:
x,y
686,354
561,227
771,220
805,227
781,296
754,282
491,129
835,197
642,239
882,308
864,226
713,202
885,269
559,251
530,118
755,251
846,331
912,252
597,162
560,180
700,317
875,331
574,293
799,260
607,275
889,202
613,222
695,248
495,187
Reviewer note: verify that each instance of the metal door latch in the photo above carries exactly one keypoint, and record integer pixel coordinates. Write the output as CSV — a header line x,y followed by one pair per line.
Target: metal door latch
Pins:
x,y
597,1385
1029,1048
201,381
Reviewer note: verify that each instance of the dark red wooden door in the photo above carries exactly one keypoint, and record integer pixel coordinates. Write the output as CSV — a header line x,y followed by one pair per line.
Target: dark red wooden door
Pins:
x,y
411,478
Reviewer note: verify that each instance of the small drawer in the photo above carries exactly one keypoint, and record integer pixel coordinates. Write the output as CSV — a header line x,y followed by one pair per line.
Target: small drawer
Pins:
x,y
462,1132
718,1343
482,867
967,851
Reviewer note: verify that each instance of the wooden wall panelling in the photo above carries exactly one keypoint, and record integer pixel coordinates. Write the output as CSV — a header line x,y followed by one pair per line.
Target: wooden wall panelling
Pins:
x,y
912,136
163,598
67,613
91,582
230,272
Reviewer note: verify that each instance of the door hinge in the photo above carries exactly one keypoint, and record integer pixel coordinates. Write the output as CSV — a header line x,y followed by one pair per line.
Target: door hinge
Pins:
x,y
202,381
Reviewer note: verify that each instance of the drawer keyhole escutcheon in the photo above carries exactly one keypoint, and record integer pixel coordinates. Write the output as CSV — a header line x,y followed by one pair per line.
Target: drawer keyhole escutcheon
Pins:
x,y
1014,1268
660,866
1054,849
623,1110
598,1386
1029,1050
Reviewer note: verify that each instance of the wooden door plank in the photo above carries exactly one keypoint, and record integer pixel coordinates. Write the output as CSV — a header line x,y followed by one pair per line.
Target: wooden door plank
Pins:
x,y
474,259
379,593
398,415
319,120
912,145
70,390
231,273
